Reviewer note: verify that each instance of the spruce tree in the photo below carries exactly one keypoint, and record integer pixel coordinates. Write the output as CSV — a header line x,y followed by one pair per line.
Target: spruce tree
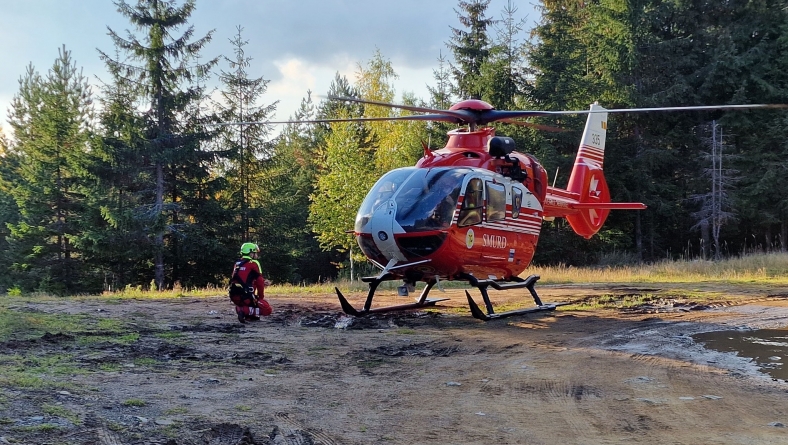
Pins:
x,y
440,98
248,146
502,75
470,46
170,149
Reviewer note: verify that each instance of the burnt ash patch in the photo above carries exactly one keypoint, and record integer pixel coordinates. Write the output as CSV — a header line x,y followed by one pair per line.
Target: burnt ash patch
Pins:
x,y
424,349
257,359
329,318
56,339
427,349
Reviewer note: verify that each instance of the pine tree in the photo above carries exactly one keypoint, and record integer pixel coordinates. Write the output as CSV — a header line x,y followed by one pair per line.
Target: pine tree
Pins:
x,y
120,243
471,48
502,75
249,150
440,98
171,141
440,94
50,119
9,212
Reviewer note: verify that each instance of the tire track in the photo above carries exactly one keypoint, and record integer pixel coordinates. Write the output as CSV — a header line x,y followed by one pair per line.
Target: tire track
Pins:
x,y
295,433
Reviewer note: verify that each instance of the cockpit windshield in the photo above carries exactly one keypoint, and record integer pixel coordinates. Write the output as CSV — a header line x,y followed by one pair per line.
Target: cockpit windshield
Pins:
x,y
428,198
381,193
425,198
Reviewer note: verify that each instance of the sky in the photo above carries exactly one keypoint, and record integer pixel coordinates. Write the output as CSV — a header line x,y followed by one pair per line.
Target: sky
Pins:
x,y
297,45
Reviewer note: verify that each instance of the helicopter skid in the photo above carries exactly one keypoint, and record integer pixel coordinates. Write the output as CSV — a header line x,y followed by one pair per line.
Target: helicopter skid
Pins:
x,y
479,314
527,283
350,310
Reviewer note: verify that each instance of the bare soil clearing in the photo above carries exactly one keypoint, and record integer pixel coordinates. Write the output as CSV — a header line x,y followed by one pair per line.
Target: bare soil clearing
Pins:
x,y
310,375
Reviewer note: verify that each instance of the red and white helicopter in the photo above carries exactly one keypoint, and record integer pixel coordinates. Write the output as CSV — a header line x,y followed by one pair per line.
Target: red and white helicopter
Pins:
x,y
473,210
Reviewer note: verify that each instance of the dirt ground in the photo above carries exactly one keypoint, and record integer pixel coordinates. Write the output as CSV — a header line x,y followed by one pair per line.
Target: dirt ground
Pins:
x,y
310,375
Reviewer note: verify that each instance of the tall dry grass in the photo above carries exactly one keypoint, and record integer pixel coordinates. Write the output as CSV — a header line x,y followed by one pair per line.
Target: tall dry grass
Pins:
x,y
771,268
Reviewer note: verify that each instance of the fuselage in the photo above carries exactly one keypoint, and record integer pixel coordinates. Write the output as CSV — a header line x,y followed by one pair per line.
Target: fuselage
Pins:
x,y
458,211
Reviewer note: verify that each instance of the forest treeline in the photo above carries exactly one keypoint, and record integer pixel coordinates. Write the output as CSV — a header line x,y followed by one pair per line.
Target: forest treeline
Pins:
x,y
144,183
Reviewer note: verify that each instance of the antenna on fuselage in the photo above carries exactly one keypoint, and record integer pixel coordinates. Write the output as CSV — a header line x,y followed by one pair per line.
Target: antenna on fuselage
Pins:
x,y
556,176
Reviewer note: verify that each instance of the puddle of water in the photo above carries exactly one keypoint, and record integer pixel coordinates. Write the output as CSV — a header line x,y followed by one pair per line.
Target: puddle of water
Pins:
x,y
767,347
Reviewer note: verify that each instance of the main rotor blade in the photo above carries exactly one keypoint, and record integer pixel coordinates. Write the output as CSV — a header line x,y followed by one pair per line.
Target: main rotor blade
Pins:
x,y
486,116
698,108
415,117
459,115
535,126
500,115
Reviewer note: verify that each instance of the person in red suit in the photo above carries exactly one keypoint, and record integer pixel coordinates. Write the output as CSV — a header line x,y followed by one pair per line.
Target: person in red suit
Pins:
x,y
247,286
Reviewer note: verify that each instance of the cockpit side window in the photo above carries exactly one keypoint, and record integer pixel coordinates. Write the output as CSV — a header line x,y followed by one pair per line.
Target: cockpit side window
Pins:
x,y
496,202
471,212
517,202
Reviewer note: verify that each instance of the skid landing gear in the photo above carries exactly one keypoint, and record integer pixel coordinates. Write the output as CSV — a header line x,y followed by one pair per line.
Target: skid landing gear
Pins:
x,y
374,282
482,285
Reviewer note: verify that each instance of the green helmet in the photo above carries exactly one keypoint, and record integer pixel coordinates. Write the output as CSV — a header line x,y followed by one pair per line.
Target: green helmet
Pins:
x,y
248,248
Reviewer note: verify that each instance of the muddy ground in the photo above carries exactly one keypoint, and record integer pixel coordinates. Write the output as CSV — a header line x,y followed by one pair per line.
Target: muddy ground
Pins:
x,y
192,374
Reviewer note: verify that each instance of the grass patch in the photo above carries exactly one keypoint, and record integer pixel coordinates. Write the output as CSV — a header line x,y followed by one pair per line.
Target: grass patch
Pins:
x,y
370,364
27,325
110,367
56,364
135,402
145,361
171,335
316,350
124,339
608,301
406,331
59,411
37,372
178,410
43,428
109,324
21,380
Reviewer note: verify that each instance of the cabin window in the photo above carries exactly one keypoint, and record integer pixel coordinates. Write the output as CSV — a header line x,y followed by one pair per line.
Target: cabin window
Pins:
x,y
496,202
471,212
517,202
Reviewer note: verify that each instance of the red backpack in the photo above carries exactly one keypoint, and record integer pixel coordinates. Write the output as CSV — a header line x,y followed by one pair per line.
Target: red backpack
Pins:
x,y
242,294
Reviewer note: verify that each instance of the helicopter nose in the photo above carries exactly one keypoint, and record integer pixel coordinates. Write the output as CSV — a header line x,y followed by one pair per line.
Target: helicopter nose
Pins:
x,y
382,226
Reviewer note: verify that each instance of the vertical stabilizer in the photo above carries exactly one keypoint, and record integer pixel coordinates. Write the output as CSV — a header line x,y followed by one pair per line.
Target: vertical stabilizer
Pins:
x,y
587,179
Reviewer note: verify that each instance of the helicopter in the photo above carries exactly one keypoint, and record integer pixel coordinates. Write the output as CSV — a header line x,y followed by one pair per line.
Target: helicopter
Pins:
x,y
473,210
